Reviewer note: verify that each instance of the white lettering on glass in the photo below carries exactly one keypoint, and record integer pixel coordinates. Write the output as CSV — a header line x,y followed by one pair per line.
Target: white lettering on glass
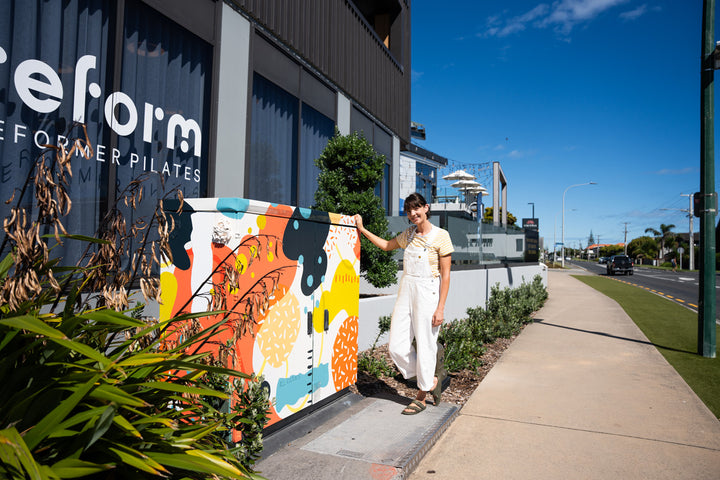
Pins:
x,y
40,88
27,86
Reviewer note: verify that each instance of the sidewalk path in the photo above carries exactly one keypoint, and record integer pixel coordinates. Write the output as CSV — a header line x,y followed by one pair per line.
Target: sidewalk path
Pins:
x,y
580,394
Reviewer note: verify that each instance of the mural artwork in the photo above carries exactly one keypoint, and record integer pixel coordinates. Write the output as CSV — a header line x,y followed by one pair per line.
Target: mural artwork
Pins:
x,y
289,278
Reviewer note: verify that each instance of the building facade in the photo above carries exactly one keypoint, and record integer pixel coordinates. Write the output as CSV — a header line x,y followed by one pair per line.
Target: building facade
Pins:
x,y
231,98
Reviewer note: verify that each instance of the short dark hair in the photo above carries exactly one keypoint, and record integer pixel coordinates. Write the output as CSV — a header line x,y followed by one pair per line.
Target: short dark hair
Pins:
x,y
415,200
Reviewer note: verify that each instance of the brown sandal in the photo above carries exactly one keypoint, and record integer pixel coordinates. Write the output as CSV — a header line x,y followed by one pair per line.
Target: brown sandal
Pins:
x,y
415,407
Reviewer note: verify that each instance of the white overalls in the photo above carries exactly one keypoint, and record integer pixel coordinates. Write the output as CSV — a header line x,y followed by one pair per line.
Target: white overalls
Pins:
x,y
412,316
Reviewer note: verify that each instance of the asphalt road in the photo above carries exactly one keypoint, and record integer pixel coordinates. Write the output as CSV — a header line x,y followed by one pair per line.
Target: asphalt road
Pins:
x,y
681,287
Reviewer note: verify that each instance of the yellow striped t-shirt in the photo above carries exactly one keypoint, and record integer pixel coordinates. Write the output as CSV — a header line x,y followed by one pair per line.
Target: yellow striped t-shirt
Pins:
x,y
439,246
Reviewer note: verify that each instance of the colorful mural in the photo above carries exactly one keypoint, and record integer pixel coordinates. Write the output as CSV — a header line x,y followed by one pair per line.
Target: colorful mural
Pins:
x,y
288,278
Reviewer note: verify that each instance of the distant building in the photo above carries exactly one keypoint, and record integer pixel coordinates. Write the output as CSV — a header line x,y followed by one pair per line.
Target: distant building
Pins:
x,y
419,173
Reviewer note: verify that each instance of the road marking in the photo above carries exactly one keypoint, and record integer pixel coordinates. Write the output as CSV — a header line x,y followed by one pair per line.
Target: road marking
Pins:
x,y
686,279
681,301
670,296
693,305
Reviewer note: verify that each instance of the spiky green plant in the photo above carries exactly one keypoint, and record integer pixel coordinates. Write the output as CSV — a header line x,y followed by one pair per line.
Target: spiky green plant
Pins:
x,y
88,388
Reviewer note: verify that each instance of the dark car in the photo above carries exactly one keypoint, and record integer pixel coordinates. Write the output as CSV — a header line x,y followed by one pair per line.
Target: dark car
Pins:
x,y
602,260
619,264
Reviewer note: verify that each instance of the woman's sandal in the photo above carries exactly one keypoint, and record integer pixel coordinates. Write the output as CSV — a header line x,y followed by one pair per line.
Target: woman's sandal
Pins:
x,y
415,407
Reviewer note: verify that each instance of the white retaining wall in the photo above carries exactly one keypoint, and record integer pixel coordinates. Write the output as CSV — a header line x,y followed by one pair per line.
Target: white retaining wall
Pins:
x,y
468,289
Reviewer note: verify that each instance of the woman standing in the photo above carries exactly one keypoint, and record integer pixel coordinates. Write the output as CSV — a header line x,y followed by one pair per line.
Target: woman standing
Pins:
x,y
420,305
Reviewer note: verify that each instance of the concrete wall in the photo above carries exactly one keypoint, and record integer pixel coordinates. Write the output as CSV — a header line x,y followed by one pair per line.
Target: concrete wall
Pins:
x,y
468,289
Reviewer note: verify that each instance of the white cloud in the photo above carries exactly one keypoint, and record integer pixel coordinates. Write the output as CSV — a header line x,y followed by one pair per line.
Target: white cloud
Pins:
x,y
680,171
561,15
568,13
635,13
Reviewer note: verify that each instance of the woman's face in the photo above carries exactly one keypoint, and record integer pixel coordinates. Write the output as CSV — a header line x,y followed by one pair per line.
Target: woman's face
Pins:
x,y
417,215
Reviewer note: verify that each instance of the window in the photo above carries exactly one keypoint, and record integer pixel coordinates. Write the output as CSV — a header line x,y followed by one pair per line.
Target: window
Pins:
x,y
519,245
150,116
49,42
168,71
286,136
382,144
425,181
273,143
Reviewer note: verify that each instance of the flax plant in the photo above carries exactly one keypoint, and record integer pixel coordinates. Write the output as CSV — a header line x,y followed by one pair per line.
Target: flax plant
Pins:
x,y
88,389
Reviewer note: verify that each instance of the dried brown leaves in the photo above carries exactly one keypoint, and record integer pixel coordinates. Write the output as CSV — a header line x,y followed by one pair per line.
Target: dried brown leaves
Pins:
x,y
109,267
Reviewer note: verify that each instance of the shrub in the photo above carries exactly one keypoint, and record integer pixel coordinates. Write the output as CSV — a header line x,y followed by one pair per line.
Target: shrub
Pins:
x,y
506,312
371,364
89,388
350,169
462,349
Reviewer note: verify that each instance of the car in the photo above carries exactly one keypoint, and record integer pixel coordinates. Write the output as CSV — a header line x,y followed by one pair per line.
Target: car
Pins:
x,y
619,264
602,260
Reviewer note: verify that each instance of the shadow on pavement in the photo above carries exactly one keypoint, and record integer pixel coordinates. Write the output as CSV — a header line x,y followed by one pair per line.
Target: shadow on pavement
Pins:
x,y
613,336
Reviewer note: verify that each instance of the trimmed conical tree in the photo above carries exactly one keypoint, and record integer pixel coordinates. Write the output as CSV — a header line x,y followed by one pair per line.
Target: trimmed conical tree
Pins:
x,y
349,171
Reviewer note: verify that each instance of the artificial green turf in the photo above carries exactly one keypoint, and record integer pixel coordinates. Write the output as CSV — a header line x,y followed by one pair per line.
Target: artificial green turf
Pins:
x,y
673,329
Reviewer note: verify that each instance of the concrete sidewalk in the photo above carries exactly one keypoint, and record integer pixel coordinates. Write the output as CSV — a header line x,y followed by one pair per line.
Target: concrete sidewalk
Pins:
x,y
581,393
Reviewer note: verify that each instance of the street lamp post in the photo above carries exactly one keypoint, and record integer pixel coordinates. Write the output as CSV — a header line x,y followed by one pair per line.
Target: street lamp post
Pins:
x,y
562,259
533,209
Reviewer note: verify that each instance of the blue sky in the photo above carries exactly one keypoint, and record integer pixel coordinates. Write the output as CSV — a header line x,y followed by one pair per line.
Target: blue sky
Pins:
x,y
562,93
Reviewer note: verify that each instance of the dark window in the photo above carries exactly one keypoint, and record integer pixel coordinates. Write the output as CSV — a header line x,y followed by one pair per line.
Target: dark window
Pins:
x,y
426,181
167,70
164,80
382,144
282,163
49,42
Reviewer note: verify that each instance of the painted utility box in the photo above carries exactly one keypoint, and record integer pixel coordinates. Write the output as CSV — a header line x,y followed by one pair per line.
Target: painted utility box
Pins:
x,y
289,277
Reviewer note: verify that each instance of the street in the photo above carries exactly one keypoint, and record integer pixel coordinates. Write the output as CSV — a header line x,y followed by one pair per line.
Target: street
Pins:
x,y
680,287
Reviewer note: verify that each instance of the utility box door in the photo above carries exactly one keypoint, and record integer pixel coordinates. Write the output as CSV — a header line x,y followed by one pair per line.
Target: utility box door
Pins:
x,y
289,278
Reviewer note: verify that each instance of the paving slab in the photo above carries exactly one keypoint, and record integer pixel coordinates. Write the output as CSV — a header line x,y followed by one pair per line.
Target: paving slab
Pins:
x,y
581,393
365,439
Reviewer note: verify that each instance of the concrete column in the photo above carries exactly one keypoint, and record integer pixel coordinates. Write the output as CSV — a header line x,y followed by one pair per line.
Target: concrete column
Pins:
x,y
343,114
233,91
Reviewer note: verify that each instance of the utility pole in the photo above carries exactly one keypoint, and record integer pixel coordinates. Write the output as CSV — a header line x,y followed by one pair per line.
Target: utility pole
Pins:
x,y
625,241
708,197
691,214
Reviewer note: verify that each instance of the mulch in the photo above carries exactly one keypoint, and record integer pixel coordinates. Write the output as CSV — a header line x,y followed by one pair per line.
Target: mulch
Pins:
x,y
461,384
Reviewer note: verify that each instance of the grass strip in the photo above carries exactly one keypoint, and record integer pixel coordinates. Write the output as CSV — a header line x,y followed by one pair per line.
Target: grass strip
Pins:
x,y
673,329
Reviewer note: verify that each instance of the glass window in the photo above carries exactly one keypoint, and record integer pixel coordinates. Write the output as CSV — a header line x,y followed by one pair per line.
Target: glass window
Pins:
x,y
150,117
167,71
425,182
316,130
282,163
61,45
273,143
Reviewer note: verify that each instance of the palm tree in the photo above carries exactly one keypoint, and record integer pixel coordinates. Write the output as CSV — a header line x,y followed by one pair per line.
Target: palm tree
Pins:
x,y
663,236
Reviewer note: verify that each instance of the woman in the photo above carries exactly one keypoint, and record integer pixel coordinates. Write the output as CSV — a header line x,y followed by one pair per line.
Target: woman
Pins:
x,y
420,304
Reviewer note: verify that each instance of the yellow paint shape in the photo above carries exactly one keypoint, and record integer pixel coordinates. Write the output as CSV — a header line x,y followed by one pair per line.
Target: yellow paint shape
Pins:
x,y
278,334
241,263
261,221
343,295
168,286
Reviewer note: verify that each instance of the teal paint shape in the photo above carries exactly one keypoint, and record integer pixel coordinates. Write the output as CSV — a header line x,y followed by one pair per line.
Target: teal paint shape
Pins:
x,y
234,208
293,388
